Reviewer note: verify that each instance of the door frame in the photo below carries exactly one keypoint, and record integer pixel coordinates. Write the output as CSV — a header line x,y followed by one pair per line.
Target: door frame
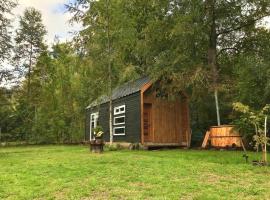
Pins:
x,y
95,118
151,122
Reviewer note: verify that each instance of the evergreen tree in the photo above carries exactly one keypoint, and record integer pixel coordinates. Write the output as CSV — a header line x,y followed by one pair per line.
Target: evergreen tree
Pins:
x,y
29,42
6,7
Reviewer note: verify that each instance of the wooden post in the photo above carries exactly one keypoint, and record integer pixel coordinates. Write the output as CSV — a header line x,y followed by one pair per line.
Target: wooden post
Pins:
x,y
188,136
206,138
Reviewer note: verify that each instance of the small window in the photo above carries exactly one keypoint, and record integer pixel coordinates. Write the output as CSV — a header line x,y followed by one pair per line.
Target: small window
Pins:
x,y
119,120
119,109
119,130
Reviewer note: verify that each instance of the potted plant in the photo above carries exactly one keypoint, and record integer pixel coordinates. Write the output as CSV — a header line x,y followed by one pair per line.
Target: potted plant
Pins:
x,y
96,145
98,133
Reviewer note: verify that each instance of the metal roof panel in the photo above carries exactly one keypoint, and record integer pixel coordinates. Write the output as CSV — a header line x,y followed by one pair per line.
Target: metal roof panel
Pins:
x,y
126,89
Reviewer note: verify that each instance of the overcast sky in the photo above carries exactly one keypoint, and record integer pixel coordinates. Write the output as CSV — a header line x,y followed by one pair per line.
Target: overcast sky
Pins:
x,y
54,16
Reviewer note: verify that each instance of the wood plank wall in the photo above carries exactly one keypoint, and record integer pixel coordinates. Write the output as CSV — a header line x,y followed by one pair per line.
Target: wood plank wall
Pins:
x,y
132,120
186,135
170,119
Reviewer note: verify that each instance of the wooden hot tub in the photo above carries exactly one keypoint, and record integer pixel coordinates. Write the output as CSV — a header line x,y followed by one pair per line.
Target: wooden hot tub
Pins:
x,y
222,136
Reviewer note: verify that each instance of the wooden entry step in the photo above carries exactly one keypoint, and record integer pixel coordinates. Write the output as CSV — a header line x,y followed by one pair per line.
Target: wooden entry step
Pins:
x,y
151,144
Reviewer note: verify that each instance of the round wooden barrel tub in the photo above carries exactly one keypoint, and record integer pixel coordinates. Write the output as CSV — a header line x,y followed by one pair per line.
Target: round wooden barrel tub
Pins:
x,y
225,136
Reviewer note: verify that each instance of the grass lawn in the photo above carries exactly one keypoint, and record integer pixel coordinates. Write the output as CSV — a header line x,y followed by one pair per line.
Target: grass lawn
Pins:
x,y
71,172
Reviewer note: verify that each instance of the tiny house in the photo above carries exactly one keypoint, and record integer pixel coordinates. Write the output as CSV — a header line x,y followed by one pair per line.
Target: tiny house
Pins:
x,y
142,115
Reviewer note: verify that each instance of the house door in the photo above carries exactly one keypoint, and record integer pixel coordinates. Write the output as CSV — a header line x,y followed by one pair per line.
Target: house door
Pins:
x,y
147,122
93,124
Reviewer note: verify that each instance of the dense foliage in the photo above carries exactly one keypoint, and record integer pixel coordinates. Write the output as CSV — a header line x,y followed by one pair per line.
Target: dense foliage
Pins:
x,y
217,51
6,7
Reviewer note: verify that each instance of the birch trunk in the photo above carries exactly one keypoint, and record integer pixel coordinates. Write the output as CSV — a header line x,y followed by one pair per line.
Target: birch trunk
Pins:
x,y
265,144
29,72
109,71
256,131
217,106
212,53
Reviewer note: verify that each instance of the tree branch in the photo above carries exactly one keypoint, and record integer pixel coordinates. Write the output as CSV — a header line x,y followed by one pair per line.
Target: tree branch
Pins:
x,y
225,49
241,26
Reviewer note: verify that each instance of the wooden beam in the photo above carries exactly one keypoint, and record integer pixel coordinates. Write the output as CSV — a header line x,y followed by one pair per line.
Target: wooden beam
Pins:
x,y
142,136
188,132
188,121
206,138
153,144
146,87
143,89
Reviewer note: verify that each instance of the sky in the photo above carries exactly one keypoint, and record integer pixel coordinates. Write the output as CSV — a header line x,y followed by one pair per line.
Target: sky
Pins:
x,y
54,16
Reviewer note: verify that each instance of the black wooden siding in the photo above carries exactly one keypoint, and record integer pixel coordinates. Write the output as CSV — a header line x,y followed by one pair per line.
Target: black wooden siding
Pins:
x,y
132,119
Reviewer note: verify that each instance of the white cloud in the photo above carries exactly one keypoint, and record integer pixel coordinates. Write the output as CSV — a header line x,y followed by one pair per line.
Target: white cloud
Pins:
x,y
54,17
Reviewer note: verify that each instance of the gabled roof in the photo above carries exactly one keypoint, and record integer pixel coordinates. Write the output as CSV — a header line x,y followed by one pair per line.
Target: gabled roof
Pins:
x,y
126,89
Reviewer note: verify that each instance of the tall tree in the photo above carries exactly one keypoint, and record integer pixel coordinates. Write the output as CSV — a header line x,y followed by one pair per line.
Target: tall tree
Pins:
x,y
6,7
109,51
102,36
29,42
197,38
226,22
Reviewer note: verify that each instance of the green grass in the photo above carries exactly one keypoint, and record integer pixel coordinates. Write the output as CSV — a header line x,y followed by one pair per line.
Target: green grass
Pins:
x,y
71,172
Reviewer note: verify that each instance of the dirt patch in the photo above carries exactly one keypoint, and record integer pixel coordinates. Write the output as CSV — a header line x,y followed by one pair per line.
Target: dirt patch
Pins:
x,y
140,184
59,195
97,195
210,178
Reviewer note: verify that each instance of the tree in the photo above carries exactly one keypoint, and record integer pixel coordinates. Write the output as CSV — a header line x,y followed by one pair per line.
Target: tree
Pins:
x,y
29,42
226,22
6,7
61,82
29,46
257,119
251,70
195,40
109,51
102,37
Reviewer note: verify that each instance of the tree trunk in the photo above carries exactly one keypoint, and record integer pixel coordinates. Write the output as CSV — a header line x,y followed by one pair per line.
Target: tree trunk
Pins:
x,y
217,106
29,72
110,122
265,144
256,132
109,71
212,53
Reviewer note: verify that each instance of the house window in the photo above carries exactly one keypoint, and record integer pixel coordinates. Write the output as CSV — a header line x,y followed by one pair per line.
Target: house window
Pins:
x,y
119,109
119,120
119,130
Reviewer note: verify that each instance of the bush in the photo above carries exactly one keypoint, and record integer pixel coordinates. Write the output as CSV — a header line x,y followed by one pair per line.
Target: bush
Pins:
x,y
113,147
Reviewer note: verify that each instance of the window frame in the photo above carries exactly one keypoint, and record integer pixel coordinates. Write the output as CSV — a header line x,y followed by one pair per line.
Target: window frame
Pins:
x,y
119,133
119,107
119,117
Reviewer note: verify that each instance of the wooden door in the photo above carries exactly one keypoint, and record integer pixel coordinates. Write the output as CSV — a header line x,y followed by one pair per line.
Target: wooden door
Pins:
x,y
147,122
